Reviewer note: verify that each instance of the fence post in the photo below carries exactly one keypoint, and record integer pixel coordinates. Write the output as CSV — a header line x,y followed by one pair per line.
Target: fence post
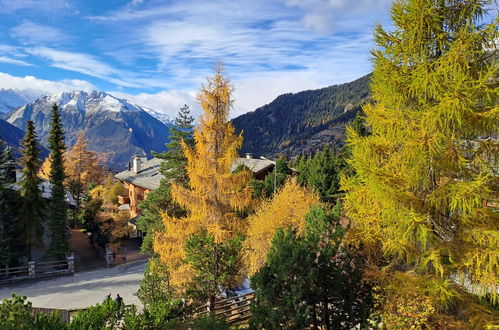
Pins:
x,y
31,269
71,263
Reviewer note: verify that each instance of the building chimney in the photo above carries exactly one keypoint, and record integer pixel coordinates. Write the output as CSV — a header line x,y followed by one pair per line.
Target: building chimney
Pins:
x,y
136,163
249,155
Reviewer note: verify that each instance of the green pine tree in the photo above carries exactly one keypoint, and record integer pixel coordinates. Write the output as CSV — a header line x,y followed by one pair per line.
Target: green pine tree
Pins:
x,y
312,280
10,202
173,169
217,266
58,208
359,125
33,211
322,173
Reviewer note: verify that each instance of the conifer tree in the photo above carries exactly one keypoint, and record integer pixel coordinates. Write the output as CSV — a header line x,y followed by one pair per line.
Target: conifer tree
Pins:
x,y
425,174
214,194
33,211
9,205
321,172
173,170
58,208
311,279
83,168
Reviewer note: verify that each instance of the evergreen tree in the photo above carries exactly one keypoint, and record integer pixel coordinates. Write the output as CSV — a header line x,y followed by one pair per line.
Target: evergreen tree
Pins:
x,y
9,205
425,174
58,208
217,267
33,211
311,279
322,173
359,125
155,286
174,166
173,170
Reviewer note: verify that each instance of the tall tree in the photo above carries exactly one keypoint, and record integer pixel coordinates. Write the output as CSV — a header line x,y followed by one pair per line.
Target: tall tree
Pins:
x,y
33,211
425,174
58,207
83,168
9,205
214,194
173,169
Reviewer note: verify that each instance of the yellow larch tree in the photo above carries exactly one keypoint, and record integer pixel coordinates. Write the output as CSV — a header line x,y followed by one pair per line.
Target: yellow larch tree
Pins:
x,y
287,209
214,196
422,199
83,165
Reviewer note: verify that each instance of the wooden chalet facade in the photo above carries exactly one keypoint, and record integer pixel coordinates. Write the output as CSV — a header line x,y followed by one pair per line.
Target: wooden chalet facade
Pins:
x,y
143,176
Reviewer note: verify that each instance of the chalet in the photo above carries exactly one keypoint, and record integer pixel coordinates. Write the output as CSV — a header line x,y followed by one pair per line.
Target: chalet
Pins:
x,y
143,176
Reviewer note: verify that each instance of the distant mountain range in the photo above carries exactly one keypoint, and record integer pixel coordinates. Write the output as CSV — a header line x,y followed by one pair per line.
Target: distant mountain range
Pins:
x,y
115,128
11,99
292,124
303,122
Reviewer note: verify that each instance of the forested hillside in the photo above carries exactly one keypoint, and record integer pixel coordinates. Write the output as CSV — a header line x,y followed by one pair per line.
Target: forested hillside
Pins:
x,y
303,122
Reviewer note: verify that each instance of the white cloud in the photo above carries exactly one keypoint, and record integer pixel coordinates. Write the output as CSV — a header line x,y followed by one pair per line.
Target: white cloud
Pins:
x,y
9,60
330,15
30,33
83,63
167,101
42,86
45,6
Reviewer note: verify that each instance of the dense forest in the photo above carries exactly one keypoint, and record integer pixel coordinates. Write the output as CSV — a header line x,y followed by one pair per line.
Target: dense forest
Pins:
x,y
304,122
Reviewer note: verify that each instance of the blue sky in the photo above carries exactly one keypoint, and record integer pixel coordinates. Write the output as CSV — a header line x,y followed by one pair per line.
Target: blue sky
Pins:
x,y
158,53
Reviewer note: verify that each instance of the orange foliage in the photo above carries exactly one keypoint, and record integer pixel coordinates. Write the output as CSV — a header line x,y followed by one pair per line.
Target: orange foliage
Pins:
x,y
214,194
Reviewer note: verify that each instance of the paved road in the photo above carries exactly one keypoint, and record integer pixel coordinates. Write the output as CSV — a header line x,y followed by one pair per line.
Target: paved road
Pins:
x,y
83,289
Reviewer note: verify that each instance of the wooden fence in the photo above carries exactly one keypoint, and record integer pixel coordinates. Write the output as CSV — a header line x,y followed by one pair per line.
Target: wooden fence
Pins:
x,y
235,310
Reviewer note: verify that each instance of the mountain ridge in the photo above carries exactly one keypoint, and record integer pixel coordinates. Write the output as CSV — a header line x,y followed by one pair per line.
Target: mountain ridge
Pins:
x,y
114,127
300,123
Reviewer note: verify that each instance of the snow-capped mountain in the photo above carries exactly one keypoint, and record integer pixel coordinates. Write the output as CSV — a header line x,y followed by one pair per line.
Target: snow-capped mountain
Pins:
x,y
162,117
113,126
11,99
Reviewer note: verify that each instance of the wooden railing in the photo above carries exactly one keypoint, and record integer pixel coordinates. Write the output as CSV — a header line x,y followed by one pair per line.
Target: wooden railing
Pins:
x,y
235,310
37,269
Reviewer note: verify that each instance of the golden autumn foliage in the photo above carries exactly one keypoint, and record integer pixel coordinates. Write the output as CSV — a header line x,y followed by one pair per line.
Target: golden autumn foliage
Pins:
x,y
286,209
108,191
214,194
81,164
114,224
424,175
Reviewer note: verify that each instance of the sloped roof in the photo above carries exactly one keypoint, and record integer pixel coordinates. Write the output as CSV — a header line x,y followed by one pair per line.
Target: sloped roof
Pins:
x,y
255,165
148,177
